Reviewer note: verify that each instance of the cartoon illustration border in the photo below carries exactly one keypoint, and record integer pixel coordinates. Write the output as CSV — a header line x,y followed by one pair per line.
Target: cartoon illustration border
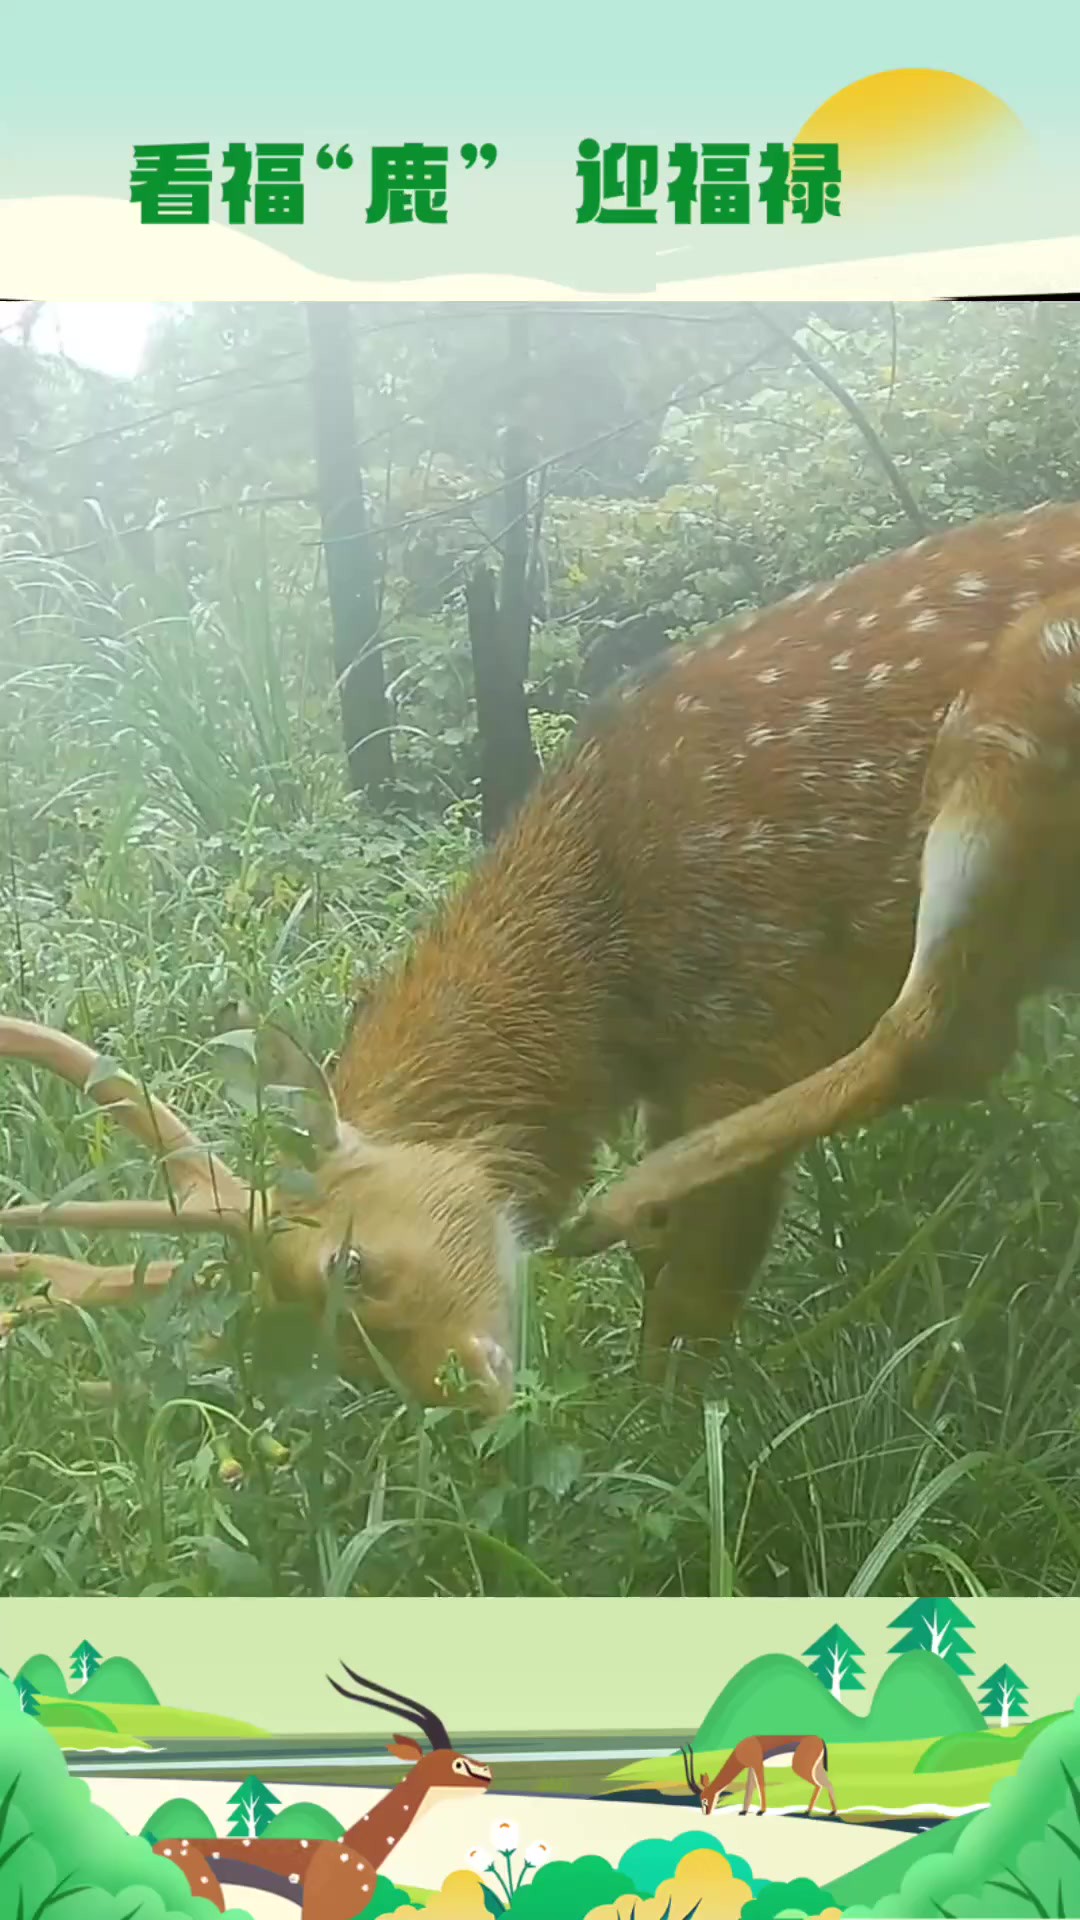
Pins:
x,y
804,1758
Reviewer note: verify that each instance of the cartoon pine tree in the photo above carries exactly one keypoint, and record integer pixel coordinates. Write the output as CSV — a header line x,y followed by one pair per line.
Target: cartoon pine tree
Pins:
x,y
835,1659
934,1626
1004,1697
28,1699
254,1807
85,1661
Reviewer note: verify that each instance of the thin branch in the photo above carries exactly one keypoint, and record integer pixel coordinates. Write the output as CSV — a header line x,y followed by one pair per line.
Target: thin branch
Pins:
x,y
852,408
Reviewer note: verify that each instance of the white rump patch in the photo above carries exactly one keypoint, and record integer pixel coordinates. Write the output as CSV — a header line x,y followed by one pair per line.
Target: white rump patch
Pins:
x,y
957,857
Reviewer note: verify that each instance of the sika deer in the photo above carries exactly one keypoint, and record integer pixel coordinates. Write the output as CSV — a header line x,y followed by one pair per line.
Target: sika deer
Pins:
x,y
801,875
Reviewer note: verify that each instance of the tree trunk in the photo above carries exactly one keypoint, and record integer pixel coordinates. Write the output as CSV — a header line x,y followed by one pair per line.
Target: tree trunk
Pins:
x,y
350,577
500,629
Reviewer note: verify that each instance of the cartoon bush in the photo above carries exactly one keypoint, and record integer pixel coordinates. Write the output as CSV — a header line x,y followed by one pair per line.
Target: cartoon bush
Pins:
x,y
648,1862
178,1820
462,1896
703,1887
304,1820
387,1901
570,1889
1022,1855
57,1850
784,1899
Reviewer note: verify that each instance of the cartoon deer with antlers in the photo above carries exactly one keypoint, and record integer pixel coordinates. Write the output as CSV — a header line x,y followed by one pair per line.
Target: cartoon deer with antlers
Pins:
x,y
335,1879
805,1753
802,875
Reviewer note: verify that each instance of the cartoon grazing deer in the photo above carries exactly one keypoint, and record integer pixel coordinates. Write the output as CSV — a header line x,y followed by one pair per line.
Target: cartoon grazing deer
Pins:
x,y
805,1753
802,875
335,1879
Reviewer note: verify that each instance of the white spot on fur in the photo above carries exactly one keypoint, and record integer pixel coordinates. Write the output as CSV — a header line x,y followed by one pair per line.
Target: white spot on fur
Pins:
x,y
834,618
863,772
757,837
957,713
1023,601
867,620
879,674
769,674
840,662
977,646
1071,555
1061,637
923,622
1018,533
912,665
760,736
819,709
913,595
1072,696
970,585
736,653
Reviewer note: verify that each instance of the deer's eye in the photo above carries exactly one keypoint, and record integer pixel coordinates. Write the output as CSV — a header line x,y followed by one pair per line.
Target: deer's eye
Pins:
x,y
356,1270
459,1766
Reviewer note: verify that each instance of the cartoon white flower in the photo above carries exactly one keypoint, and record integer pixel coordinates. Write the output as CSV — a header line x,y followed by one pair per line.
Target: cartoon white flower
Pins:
x,y
479,1859
537,1853
504,1836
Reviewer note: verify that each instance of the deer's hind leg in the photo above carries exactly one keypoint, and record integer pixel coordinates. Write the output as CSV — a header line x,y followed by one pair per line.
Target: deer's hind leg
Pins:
x,y
700,1264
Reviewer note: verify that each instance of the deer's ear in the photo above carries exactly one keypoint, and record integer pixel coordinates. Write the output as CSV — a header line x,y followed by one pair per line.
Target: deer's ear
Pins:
x,y
291,1078
266,1065
403,1748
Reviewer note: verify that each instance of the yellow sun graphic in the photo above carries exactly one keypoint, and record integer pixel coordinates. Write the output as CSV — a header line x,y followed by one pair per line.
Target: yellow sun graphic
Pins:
x,y
913,127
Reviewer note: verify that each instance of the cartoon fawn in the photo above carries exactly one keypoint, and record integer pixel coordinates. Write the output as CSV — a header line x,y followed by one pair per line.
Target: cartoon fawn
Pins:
x,y
335,1879
805,1753
804,873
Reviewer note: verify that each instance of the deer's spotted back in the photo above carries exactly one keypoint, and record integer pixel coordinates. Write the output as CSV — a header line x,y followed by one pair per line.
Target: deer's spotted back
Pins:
x,y
765,792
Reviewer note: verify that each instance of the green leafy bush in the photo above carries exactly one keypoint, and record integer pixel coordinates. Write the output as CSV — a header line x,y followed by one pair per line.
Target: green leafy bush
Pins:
x,y
570,1889
57,1848
1022,1855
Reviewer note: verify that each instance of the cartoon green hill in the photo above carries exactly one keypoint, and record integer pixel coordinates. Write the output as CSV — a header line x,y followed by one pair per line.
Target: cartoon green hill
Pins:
x,y
120,1683
917,1698
43,1674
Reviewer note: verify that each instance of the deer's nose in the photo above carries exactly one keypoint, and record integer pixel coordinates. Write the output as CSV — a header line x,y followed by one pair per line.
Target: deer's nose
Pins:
x,y
490,1370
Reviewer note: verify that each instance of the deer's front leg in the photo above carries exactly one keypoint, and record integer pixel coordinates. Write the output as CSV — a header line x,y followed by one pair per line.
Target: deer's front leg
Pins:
x,y
711,1248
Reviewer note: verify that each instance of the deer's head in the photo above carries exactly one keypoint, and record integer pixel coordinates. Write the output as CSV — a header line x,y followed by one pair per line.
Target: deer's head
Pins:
x,y
705,1786
437,1769
404,1244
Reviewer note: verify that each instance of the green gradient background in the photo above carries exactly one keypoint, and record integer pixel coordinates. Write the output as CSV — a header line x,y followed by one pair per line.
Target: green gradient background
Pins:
x,y
526,1666
81,84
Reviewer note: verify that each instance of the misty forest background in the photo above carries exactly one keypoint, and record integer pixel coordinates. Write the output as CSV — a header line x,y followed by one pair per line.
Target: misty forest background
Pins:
x,y
255,721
